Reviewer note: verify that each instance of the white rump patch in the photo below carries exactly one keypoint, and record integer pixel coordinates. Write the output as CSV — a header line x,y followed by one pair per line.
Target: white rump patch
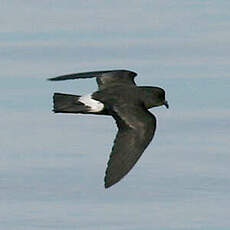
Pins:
x,y
95,106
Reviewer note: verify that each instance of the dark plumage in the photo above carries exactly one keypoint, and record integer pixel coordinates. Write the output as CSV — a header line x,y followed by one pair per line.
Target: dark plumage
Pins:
x,y
119,97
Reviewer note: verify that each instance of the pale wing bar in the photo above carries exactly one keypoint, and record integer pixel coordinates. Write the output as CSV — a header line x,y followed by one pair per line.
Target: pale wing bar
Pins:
x,y
104,78
79,75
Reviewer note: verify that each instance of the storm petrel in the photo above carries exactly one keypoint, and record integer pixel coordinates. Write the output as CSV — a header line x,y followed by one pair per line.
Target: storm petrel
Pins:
x,y
119,97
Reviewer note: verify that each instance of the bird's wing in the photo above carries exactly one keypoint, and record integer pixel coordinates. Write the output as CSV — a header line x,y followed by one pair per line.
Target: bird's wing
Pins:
x,y
105,79
136,127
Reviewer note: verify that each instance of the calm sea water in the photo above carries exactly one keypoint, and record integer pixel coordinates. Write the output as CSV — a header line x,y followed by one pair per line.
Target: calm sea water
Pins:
x,y
52,166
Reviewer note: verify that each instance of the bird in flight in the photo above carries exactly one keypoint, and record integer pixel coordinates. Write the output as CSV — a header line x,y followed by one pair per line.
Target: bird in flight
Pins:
x,y
117,96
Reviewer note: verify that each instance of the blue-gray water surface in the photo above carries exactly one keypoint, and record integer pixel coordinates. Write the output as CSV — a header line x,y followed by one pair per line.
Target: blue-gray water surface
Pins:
x,y
52,165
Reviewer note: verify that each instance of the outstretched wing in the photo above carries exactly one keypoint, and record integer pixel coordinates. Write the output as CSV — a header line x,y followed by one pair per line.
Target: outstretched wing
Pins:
x,y
105,79
136,127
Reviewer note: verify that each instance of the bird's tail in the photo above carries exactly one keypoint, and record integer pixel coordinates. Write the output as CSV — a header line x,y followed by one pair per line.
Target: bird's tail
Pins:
x,y
67,103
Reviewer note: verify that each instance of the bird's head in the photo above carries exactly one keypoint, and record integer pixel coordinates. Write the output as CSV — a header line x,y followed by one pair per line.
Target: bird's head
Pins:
x,y
154,96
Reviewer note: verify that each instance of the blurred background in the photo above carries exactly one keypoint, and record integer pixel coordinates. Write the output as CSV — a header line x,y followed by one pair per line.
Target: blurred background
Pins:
x,y
52,165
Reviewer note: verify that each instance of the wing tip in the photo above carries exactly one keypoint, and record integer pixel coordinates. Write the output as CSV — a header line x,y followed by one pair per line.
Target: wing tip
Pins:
x,y
88,75
108,182
108,185
55,79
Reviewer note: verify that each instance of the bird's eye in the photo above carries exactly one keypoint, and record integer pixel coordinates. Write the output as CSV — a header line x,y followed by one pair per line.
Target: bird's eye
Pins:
x,y
162,96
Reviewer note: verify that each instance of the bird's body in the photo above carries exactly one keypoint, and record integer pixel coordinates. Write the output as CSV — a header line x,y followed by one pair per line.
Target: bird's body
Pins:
x,y
119,97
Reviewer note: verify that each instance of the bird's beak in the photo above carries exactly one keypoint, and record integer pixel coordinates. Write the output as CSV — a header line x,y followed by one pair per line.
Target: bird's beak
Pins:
x,y
166,104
